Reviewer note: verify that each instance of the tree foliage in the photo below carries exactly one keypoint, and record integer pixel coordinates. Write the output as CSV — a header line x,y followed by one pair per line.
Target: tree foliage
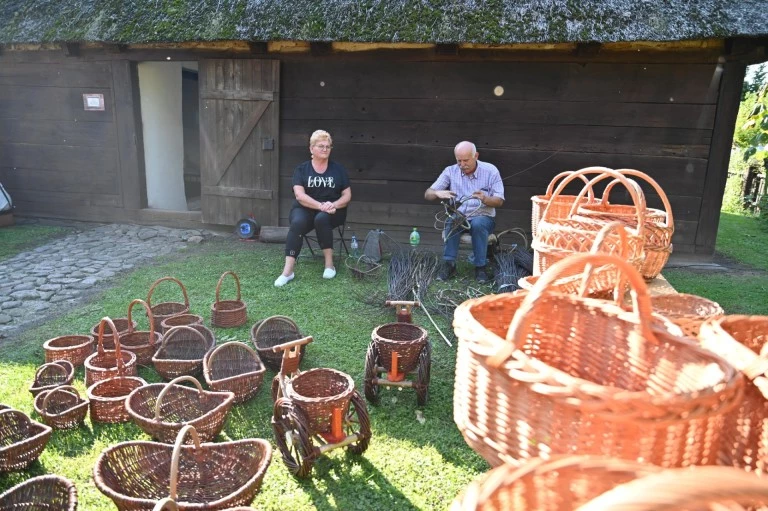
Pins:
x,y
755,129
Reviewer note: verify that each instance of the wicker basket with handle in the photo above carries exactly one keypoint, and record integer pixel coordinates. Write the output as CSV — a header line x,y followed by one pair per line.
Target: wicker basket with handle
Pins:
x,y
273,331
48,492
182,351
106,398
52,375
21,439
180,320
164,310
74,348
108,339
687,311
108,363
234,367
142,343
541,373
61,407
228,313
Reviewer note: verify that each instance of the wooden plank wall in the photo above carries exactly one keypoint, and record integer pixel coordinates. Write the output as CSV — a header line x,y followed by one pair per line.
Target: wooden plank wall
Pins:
x,y
395,124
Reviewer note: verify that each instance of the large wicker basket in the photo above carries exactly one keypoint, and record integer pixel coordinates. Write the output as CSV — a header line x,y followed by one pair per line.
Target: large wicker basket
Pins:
x,y
541,373
560,207
405,338
273,331
106,398
162,409
61,407
108,339
234,367
42,493
108,363
142,343
164,310
687,311
182,351
318,392
74,348
202,476
52,375
228,313
21,439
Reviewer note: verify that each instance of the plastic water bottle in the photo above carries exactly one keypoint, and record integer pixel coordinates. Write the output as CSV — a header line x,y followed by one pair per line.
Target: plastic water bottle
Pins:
x,y
354,246
415,238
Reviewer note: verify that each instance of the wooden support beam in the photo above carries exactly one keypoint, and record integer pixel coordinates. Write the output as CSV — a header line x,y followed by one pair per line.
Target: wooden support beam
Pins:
x,y
319,48
258,47
588,49
447,49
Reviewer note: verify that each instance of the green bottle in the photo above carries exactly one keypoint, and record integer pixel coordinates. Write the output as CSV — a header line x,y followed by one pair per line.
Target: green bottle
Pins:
x,y
415,238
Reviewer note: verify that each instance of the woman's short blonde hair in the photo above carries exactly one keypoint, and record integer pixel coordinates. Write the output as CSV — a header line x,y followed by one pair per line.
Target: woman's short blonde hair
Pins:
x,y
319,136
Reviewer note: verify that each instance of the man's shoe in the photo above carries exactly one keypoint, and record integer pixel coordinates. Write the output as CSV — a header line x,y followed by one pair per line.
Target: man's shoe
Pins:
x,y
480,275
447,271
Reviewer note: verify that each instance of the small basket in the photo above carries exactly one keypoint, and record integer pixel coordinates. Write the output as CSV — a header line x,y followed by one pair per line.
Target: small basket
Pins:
x,y
122,326
142,343
228,313
42,493
273,331
162,409
21,439
108,363
165,310
234,367
318,392
182,351
136,475
686,311
107,398
52,375
74,348
406,339
559,206
62,407
180,320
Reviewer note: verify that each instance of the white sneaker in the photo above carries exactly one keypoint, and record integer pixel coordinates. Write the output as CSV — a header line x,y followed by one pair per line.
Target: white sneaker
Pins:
x,y
283,280
329,273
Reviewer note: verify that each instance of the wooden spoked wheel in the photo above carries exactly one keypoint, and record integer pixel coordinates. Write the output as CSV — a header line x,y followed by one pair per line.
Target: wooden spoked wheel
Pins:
x,y
276,392
371,362
358,422
421,385
292,436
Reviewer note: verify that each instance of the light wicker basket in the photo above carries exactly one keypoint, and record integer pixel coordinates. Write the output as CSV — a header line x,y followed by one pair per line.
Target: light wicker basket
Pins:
x,y
687,311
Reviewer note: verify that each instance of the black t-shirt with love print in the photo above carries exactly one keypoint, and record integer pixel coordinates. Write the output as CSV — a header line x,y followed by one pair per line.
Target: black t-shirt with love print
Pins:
x,y
321,187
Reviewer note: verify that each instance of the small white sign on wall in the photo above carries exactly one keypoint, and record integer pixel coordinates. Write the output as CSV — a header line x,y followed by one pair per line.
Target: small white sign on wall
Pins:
x,y
93,101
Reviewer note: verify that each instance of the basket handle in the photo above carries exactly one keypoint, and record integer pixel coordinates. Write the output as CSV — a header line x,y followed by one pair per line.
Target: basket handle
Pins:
x,y
641,300
150,316
166,504
50,364
682,488
44,406
590,268
551,185
290,344
230,343
118,354
158,281
11,411
177,454
181,328
514,230
221,279
284,319
635,193
648,179
171,384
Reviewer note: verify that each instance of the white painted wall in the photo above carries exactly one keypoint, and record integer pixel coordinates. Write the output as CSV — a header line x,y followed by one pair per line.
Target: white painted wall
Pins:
x,y
160,91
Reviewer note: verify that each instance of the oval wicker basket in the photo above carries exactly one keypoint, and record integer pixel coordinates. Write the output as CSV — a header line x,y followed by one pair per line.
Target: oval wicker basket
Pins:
x,y
228,313
108,339
406,339
162,409
273,331
107,398
61,407
164,310
234,367
318,392
42,493
182,351
686,311
142,343
108,363
74,348
534,379
52,375
21,439
213,476
180,320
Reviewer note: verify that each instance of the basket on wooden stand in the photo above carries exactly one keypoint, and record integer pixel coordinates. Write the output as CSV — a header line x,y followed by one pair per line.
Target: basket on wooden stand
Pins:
x,y
42,493
234,367
74,348
61,407
228,313
182,351
273,331
52,375
164,310
108,363
21,439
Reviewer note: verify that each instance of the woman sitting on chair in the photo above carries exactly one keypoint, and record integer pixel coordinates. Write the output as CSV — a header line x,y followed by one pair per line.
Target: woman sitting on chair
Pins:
x,y
321,187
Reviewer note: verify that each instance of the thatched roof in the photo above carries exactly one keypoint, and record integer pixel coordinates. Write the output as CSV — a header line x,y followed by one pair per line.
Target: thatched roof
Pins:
x,y
419,21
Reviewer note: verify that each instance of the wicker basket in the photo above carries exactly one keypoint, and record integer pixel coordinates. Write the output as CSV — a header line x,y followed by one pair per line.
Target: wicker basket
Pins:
x,y
107,398
108,363
142,343
42,493
61,407
136,475
180,320
273,331
74,348
363,267
687,311
182,351
567,483
405,338
21,439
228,313
164,310
162,409
52,375
318,392
234,367
574,374
108,340
743,341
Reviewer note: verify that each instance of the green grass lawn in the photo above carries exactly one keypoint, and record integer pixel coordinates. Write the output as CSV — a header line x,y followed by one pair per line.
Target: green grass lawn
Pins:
x,y
16,238
409,465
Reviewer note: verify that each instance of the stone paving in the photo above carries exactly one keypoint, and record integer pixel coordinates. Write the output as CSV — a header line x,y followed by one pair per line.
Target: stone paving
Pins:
x,y
64,271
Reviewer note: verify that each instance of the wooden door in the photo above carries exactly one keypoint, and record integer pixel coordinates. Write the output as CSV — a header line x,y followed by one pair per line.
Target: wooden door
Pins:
x,y
239,126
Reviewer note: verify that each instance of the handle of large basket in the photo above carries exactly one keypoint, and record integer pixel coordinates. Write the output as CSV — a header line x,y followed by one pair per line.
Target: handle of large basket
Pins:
x,y
569,176
44,406
551,185
590,268
100,347
641,300
50,364
648,179
221,279
150,317
168,387
213,354
158,281
682,488
290,344
166,504
181,328
177,454
635,193
284,319
515,230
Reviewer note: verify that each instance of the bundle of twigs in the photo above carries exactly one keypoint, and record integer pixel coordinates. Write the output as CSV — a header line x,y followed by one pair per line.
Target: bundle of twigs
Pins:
x,y
409,270
508,271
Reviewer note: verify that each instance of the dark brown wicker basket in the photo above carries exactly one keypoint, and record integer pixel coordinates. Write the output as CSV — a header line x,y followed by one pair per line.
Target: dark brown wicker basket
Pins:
x,y
108,363
107,398
234,367
136,475
162,409
42,493
165,310
142,343
74,348
180,320
108,341
318,392
21,440
273,331
228,313
182,351
404,338
61,407
52,375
